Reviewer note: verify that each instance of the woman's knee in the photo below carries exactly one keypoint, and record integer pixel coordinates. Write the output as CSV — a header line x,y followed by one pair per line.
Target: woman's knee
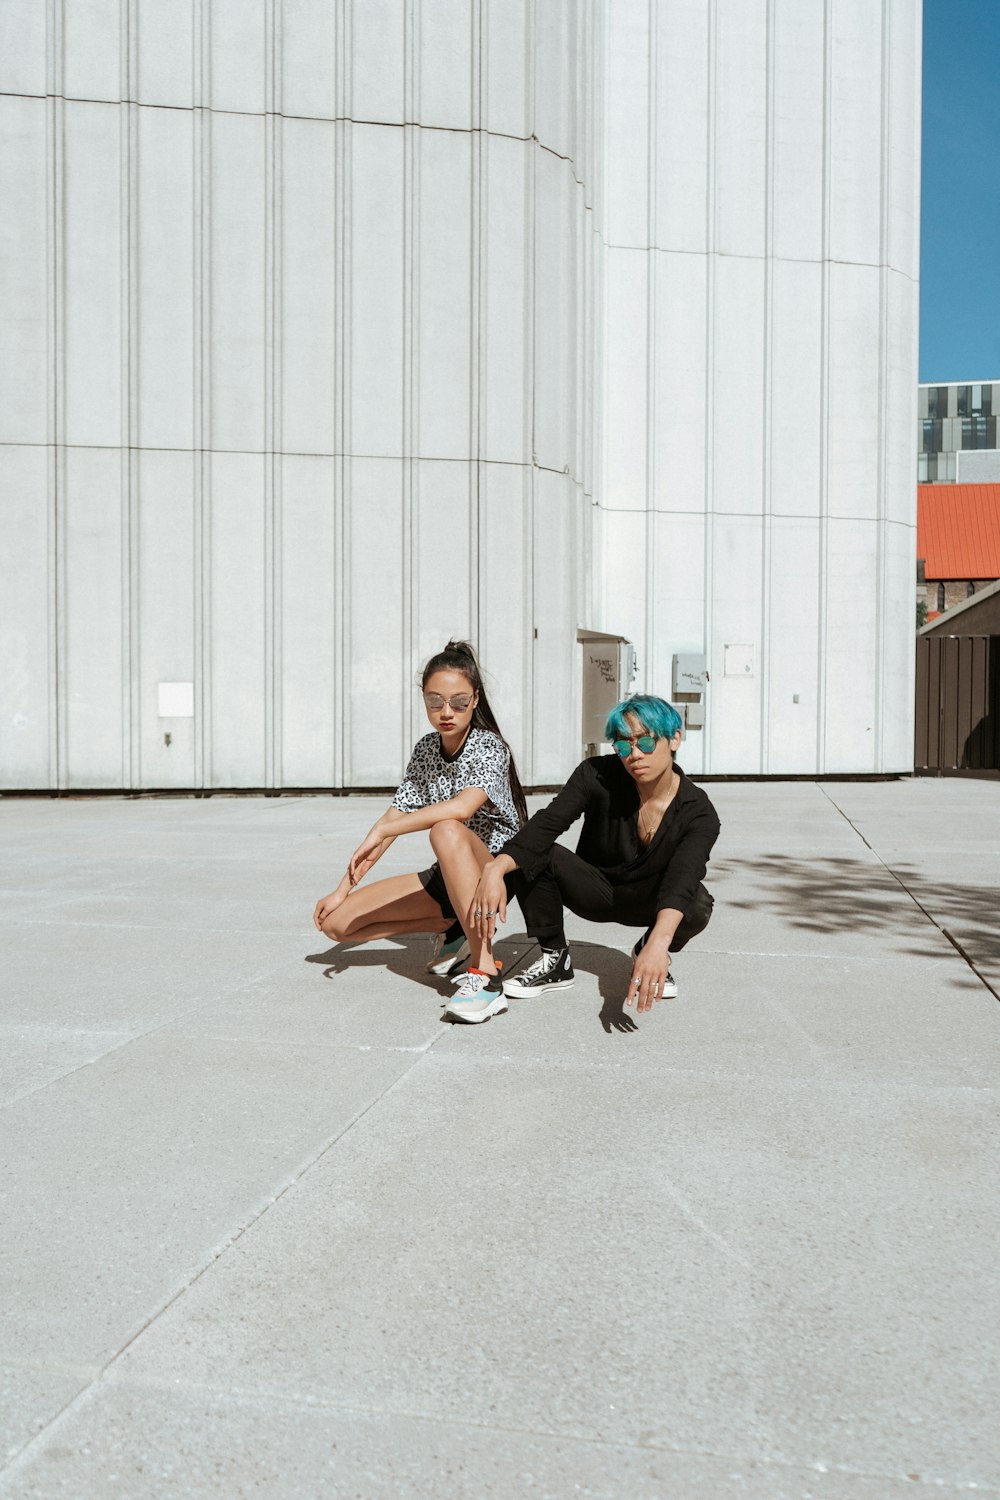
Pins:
x,y
337,925
447,835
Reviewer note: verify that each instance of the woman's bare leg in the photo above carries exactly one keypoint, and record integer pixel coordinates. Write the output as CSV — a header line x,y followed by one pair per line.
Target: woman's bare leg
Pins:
x,y
386,908
462,856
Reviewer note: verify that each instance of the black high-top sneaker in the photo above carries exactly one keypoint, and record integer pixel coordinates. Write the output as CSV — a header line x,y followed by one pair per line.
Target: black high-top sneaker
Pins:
x,y
553,970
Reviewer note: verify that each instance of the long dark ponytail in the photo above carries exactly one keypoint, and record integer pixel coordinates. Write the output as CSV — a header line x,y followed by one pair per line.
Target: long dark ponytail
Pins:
x,y
459,656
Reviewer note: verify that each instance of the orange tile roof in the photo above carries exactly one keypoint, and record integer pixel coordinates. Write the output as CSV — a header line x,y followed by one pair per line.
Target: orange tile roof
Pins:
x,y
958,530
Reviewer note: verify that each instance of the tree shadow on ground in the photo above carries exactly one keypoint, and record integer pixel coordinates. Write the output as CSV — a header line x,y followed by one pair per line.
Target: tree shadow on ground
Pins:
x,y
895,904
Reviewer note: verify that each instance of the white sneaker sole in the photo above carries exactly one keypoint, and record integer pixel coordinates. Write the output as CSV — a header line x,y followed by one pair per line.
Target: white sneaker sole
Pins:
x,y
445,966
495,1008
518,991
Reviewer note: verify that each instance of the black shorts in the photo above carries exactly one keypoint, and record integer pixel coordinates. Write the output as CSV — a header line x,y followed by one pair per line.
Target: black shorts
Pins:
x,y
433,883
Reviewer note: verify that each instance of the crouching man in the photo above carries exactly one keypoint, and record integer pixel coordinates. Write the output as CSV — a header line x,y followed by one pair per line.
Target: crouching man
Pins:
x,y
642,854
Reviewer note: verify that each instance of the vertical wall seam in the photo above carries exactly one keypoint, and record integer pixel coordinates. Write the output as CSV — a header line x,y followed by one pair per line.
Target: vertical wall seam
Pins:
x,y
767,415
478,253
201,251
650,654
409,517
270,137
881,540
530,718
710,268
824,395
55,386
340,563
131,644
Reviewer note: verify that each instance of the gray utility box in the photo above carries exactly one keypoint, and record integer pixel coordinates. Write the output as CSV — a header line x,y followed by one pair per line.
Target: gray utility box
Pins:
x,y
608,670
690,680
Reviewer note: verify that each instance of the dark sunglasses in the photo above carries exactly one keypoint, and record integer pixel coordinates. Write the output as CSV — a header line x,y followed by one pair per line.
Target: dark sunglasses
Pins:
x,y
459,703
644,742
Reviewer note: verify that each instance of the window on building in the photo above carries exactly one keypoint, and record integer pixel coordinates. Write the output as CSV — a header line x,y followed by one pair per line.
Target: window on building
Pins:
x,y
931,435
937,402
963,406
975,432
987,401
940,596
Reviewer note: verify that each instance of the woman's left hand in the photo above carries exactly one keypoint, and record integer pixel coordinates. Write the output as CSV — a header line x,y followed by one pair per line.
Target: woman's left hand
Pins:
x,y
649,974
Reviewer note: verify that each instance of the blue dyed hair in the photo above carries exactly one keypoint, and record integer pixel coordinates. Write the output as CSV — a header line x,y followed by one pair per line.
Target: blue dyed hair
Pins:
x,y
654,714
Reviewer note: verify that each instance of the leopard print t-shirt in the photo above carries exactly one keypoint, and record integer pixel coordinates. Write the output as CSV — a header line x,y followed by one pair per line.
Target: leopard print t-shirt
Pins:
x,y
484,762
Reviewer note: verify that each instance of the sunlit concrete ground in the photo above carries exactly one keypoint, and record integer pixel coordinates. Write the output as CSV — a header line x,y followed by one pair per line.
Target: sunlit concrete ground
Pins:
x,y
271,1228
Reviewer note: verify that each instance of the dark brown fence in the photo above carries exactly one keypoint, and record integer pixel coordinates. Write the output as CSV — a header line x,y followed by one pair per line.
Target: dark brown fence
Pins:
x,y
958,703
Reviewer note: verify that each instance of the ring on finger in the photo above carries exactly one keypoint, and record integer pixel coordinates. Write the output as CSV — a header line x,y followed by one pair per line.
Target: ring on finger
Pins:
x,y
478,912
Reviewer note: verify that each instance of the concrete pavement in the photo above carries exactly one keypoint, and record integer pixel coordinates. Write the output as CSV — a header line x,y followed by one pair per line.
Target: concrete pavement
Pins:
x,y
272,1229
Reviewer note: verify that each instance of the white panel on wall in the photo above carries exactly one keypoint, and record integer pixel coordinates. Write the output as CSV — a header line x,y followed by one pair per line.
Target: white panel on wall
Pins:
x,y
896,694
504,335
793,646
23,66
679,357
92,36
165,278
555,76
555,313
624,538
849,655
309,620
856,131
164,584
556,706
236,296
376,73
309,60
740,126
442,357
681,125
93,275
505,104
307,287
901,399
504,636
24,392
443,535
796,389
738,439
236,620
24,619
238,54
854,390
733,728
95,726
903,147
164,43
677,614
799,80
444,66
379,663
627,104
374,304
625,354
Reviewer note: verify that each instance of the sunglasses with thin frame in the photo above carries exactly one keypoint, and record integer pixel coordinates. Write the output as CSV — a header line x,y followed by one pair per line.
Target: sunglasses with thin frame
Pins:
x,y
644,742
458,704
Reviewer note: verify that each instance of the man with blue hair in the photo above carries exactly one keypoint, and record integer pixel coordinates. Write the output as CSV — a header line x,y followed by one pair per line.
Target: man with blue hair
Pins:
x,y
641,857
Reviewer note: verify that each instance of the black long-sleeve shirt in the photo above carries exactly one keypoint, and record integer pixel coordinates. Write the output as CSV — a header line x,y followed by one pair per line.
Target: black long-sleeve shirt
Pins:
x,y
667,871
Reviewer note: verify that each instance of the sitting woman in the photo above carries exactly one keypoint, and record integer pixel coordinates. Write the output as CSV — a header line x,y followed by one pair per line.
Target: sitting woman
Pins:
x,y
643,850
462,785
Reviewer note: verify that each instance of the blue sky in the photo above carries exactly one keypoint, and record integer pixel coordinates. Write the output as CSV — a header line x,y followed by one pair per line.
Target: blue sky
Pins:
x,y
960,192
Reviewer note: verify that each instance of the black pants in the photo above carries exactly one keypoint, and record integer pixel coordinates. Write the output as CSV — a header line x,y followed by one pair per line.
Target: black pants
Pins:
x,y
567,880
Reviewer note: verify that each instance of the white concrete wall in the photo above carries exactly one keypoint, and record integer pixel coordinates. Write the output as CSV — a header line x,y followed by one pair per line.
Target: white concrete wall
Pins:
x,y
758,485
298,380
338,329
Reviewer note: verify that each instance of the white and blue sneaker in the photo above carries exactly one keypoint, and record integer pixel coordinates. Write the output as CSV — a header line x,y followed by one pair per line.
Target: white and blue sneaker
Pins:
x,y
446,956
479,997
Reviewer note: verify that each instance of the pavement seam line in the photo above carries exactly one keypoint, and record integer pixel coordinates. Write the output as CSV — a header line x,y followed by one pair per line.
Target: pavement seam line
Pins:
x,y
21,1458
915,899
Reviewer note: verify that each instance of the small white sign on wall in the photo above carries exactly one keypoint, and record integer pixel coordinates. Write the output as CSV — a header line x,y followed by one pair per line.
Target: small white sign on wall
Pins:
x,y
738,661
176,700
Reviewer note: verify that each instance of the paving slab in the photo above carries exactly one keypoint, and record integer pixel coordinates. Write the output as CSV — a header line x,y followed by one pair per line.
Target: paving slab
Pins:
x,y
273,1228
158,1443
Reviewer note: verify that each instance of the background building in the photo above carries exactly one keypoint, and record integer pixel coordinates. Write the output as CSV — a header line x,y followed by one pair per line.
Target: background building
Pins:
x,y
957,434
337,330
